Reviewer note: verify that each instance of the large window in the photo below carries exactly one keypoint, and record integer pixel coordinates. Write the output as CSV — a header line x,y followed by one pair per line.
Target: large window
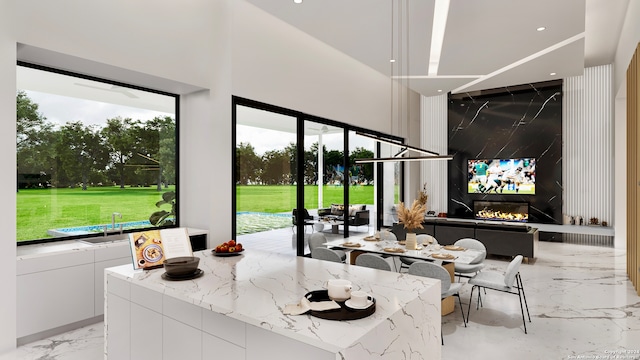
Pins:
x,y
92,156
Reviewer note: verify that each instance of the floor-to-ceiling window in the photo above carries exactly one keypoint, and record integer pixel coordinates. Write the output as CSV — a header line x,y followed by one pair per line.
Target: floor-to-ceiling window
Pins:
x,y
324,191
265,170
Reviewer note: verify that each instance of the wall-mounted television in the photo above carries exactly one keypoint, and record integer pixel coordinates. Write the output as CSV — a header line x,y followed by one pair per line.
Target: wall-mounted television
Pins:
x,y
502,176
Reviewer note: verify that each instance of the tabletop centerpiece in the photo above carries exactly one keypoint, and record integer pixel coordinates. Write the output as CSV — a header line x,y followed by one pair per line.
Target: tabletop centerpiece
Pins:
x,y
411,218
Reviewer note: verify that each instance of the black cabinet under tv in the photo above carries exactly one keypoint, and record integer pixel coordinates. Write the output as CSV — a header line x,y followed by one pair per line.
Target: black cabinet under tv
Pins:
x,y
499,238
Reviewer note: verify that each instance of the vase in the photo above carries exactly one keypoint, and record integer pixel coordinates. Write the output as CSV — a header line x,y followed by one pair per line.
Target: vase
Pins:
x,y
411,241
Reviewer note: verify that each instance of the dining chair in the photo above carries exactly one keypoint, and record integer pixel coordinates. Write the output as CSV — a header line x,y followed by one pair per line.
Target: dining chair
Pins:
x,y
316,240
322,253
510,282
463,270
447,288
405,262
373,261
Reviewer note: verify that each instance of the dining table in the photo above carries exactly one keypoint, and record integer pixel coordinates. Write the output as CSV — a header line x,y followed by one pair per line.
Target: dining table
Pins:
x,y
447,254
429,252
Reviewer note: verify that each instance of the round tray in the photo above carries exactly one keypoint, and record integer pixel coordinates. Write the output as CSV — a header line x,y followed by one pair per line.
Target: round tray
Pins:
x,y
344,313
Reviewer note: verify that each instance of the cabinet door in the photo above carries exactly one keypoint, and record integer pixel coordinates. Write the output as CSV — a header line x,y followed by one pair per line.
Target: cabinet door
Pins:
x,y
216,348
180,341
118,328
99,281
146,334
54,298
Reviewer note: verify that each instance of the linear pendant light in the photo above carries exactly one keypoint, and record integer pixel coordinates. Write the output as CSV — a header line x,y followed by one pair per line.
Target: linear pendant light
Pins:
x,y
403,34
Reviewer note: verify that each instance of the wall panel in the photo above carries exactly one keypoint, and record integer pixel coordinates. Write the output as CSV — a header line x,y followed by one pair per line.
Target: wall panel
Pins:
x,y
434,138
588,144
633,175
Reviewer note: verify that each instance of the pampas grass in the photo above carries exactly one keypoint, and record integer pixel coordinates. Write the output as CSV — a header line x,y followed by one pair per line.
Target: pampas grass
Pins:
x,y
412,217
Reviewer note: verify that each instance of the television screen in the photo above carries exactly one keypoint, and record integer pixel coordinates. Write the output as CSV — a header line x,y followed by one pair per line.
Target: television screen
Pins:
x,y
502,176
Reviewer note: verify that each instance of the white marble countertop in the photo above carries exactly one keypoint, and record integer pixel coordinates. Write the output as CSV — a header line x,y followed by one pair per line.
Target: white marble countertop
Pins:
x,y
255,287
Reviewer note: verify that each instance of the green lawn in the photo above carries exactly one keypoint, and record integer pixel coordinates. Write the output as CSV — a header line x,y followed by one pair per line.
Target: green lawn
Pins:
x,y
282,198
39,210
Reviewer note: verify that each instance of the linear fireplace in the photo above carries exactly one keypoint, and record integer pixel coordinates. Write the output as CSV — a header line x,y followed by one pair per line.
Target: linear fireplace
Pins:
x,y
501,211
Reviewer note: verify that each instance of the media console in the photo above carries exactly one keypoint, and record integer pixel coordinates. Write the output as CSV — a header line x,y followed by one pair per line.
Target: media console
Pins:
x,y
508,239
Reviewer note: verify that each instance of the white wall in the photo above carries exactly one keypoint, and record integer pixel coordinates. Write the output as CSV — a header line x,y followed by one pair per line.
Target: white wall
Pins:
x,y
435,138
224,47
7,182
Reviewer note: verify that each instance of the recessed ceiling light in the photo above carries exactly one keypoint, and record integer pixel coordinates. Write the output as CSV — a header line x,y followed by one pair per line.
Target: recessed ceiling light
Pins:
x,y
297,1
541,28
392,60
552,74
439,90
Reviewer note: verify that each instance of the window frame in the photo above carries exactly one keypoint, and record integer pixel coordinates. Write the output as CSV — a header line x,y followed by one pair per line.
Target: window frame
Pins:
x,y
177,150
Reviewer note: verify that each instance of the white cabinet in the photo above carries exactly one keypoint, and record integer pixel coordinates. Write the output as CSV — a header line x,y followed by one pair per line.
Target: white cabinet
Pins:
x,y
118,325
216,348
146,334
54,292
106,258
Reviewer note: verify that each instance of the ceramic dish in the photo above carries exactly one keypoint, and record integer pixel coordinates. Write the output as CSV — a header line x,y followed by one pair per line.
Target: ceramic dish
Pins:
x,y
371,238
235,253
454,247
350,244
350,304
192,276
393,250
443,256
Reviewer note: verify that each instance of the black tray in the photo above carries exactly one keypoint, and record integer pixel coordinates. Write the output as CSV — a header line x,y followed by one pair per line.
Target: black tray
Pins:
x,y
344,313
196,274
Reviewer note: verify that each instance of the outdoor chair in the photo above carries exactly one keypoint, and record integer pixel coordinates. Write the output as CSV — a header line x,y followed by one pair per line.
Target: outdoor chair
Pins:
x,y
305,218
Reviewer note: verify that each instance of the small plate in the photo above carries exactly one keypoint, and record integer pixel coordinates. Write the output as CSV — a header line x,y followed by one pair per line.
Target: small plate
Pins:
x,y
235,253
393,250
350,304
196,274
371,238
350,244
443,256
454,248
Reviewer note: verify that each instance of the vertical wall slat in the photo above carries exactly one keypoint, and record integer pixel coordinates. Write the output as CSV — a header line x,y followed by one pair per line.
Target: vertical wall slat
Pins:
x,y
633,177
588,144
434,112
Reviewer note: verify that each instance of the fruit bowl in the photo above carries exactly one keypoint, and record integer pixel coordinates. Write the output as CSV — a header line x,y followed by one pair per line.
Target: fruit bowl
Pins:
x,y
180,266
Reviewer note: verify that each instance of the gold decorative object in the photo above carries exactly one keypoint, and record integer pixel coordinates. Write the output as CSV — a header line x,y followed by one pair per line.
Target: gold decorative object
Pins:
x,y
423,196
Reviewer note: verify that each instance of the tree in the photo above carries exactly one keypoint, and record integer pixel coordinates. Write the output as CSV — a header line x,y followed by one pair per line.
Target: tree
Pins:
x,y
276,167
120,139
34,138
247,162
81,151
363,171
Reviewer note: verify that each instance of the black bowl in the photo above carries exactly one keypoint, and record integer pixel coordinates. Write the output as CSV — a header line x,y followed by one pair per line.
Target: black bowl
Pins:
x,y
180,266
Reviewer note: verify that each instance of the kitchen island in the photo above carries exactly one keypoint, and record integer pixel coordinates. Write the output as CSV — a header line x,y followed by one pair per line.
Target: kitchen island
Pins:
x,y
235,311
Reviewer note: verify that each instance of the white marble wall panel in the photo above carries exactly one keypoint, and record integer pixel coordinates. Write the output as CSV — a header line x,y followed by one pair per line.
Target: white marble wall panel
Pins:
x,y
588,129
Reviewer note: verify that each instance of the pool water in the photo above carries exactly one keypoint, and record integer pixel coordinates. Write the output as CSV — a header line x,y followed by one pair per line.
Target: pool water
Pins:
x,y
92,229
253,222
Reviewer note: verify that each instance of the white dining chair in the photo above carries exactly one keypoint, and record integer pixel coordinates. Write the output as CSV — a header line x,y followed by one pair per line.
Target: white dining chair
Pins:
x,y
509,282
422,239
447,288
463,270
322,253
373,261
317,239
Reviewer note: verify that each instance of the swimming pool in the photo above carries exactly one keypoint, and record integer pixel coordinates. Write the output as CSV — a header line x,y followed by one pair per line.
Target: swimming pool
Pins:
x,y
92,229
248,222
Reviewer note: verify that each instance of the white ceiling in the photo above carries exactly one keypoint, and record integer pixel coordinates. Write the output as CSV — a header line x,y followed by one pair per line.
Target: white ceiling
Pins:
x,y
487,43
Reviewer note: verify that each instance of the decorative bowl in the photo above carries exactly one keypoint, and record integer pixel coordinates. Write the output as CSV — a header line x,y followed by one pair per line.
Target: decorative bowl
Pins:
x,y
183,265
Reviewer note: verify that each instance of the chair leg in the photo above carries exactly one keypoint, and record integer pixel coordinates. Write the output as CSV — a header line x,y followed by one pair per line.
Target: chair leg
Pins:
x,y
461,310
520,295
470,297
523,295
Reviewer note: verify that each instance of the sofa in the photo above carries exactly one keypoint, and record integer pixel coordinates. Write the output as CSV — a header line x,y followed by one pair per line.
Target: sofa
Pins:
x,y
358,215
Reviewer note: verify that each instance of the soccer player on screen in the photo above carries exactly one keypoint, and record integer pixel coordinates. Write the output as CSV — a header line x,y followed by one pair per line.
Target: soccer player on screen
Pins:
x,y
511,177
480,169
493,177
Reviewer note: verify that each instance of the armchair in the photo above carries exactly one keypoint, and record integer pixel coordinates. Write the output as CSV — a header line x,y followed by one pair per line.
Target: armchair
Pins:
x,y
304,215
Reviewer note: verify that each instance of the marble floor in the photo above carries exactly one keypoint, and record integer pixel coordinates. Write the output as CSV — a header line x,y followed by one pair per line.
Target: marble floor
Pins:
x,y
582,307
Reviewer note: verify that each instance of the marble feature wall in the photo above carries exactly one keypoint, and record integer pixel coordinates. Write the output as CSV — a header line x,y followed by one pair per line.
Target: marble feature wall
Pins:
x,y
522,121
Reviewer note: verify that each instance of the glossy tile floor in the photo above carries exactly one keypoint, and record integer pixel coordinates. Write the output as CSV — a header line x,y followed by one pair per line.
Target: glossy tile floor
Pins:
x,y
582,307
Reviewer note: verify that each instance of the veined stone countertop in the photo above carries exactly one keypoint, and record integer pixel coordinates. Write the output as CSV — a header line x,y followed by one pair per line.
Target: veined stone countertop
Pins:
x,y
255,287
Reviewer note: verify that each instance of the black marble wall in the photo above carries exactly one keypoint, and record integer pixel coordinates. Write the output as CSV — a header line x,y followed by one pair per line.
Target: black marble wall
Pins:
x,y
522,121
